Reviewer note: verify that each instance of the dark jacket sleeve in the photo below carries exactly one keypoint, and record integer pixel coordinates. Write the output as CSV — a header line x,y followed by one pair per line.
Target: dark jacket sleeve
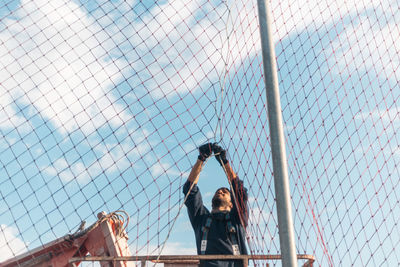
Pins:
x,y
194,203
240,202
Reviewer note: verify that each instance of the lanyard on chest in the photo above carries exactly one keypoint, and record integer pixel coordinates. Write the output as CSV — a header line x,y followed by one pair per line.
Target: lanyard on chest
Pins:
x,y
232,232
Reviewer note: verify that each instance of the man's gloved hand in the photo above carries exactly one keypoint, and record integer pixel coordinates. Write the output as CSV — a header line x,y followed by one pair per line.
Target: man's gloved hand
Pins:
x,y
220,154
205,151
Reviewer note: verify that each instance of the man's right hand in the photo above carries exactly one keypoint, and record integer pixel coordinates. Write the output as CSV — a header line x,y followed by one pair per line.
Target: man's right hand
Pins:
x,y
205,151
220,154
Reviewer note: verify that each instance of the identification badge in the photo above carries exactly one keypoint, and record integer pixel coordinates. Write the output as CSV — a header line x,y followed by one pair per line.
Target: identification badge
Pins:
x,y
203,245
236,250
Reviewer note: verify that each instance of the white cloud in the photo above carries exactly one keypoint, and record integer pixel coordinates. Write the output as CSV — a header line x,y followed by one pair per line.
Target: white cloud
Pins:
x,y
160,168
369,38
54,57
371,43
182,50
171,248
110,158
291,16
68,172
186,51
383,120
57,57
257,215
391,115
177,248
10,244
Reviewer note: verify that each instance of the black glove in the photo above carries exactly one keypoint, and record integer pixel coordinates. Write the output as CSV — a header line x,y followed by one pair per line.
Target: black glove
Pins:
x,y
205,151
220,154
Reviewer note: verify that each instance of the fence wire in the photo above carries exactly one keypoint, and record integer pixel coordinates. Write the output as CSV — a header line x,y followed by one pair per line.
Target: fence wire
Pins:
x,y
104,103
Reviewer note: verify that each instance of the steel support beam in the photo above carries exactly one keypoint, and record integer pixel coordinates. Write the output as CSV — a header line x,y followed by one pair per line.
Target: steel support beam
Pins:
x,y
279,161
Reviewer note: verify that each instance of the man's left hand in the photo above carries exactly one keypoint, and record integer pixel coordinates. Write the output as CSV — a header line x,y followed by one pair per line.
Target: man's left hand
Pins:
x,y
220,154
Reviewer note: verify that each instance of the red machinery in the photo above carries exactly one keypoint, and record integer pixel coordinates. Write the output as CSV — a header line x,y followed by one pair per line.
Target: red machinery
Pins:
x,y
106,237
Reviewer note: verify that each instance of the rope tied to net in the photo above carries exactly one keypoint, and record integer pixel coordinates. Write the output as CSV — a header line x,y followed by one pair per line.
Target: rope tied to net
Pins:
x,y
219,126
177,215
224,73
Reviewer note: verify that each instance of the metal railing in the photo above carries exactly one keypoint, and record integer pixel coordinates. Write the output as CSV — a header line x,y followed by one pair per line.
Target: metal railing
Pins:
x,y
189,259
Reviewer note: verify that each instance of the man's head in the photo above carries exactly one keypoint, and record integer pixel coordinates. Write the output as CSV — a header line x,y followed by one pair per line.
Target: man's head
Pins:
x,y
221,200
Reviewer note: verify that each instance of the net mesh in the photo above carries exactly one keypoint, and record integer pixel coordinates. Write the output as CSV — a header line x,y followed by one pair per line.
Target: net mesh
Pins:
x,y
104,103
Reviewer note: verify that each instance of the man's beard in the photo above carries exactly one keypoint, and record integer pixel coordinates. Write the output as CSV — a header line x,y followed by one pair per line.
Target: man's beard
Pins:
x,y
219,202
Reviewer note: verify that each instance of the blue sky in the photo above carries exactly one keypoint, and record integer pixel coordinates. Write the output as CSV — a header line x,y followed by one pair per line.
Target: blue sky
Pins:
x,y
104,102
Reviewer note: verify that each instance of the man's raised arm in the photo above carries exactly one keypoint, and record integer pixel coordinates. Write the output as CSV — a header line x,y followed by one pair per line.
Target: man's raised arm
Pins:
x,y
195,172
239,191
205,151
220,155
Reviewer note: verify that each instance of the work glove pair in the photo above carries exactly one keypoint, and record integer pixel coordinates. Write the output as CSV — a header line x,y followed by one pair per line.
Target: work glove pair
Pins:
x,y
206,150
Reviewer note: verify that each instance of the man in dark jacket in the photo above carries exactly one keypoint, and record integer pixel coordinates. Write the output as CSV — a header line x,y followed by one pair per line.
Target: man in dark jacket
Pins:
x,y
221,231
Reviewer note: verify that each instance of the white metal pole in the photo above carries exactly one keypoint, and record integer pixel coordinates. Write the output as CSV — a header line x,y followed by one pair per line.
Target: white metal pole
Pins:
x,y
281,180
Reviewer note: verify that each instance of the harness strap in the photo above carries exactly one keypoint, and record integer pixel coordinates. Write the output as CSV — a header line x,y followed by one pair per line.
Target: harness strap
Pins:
x,y
205,229
232,232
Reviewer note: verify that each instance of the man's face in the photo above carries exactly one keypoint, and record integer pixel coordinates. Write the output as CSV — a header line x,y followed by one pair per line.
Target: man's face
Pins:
x,y
222,197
